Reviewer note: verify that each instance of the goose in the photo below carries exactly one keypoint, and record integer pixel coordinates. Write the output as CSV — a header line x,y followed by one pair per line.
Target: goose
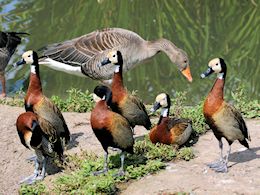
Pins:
x,y
8,44
110,128
49,116
80,56
124,103
224,119
168,130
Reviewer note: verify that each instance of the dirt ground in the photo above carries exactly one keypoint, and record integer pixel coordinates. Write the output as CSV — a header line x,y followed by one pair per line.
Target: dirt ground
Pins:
x,y
194,176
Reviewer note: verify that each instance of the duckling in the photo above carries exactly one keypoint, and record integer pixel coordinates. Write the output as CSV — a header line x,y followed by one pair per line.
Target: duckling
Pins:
x,y
169,130
110,128
81,55
8,43
129,106
224,119
49,116
32,137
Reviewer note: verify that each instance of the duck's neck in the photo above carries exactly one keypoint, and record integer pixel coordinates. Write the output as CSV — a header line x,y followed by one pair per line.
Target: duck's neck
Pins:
x,y
217,90
34,92
165,46
117,83
164,114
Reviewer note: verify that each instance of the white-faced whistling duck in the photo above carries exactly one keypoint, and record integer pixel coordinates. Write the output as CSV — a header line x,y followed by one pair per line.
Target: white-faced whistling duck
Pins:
x,y
33,138
50,119
169,130
129,106
224,120
8,43
110,128
80,56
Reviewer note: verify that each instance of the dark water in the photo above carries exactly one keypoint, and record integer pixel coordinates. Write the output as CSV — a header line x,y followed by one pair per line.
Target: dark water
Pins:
x,y
203,28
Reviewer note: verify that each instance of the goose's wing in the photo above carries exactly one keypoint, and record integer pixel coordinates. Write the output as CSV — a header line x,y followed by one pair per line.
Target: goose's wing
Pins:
x,y
80,50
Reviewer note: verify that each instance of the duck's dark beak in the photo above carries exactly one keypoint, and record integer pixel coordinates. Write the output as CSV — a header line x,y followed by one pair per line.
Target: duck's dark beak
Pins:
x,y
21,62
155,107
207,73
187,73
104,62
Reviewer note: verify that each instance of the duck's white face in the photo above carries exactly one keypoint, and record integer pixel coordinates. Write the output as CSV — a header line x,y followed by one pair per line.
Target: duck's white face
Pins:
x,y
215,65
28,57
113,57
162,100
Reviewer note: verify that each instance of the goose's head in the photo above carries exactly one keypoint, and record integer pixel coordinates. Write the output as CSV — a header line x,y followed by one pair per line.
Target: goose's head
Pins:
x,y
113,57
28,57
161,101
216,65
102,92
182,61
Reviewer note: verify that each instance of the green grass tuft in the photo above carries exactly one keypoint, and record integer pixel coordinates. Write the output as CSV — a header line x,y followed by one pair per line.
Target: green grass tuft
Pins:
x,y
78,178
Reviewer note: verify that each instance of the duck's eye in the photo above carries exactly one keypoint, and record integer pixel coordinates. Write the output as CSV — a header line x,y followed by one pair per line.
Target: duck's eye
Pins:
x,y
185,61
114,56
29,56
216,64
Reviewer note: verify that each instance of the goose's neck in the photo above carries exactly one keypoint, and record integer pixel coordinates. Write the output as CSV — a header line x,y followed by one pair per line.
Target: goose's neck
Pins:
x,y
164,114
165,46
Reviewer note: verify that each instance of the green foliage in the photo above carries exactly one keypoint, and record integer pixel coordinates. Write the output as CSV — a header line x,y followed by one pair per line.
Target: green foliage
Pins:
x,y
78,178
193,113
249,109
77,101
15,100
35,189
185,153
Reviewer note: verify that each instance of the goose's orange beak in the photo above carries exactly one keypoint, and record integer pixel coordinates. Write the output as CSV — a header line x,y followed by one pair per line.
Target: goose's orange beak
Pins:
x,y
186,72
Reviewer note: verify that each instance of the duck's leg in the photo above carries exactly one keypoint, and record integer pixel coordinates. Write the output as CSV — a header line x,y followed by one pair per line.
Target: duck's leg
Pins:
x,y
30,179
219,162
2,79
223,167
105,169
121,169
43,171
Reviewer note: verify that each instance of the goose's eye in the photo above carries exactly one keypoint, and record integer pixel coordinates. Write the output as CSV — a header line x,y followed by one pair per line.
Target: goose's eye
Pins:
x,y
216,64
114,56
29,56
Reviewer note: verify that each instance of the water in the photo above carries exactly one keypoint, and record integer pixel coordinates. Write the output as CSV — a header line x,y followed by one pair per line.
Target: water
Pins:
x,y
204,29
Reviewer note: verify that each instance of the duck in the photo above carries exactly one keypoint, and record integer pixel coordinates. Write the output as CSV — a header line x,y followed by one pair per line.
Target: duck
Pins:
x,y
110,128
122,102
223,118
8,44
169,130
81,55
33,138
50,118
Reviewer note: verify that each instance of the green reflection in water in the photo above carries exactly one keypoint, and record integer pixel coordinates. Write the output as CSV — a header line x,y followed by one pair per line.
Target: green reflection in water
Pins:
x,y
203,28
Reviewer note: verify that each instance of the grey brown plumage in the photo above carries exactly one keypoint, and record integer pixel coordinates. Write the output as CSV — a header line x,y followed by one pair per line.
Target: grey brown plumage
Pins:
x,y
124,103
89,50
49,117
224,119
169,130
8,44
110,128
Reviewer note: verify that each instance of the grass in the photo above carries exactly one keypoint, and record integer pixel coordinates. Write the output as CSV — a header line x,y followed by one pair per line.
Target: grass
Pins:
x,y
78,178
